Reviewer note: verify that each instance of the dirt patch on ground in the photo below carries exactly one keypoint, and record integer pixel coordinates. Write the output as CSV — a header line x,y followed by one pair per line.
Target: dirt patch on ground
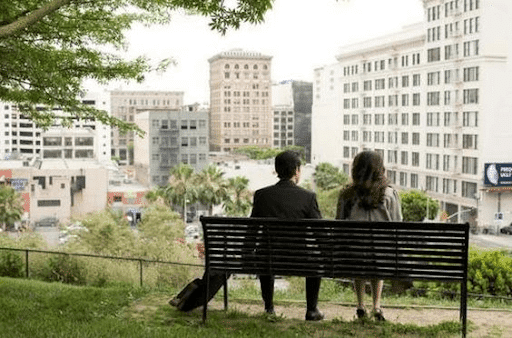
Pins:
x,y
485,323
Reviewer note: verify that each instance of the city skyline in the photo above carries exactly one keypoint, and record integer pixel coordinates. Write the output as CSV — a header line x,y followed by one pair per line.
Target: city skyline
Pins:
x,y
298,42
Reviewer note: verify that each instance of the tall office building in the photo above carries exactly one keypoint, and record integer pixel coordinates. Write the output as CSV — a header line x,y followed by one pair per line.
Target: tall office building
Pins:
x,y
172,137
240,100
126,104
292,102
434,100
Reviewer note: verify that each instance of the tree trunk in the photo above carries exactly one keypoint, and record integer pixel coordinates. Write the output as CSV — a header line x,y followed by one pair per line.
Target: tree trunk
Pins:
x,y
32,18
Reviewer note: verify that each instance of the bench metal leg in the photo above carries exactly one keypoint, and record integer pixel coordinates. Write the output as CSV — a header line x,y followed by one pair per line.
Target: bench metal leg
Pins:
x,y
226,276
205,299
464,307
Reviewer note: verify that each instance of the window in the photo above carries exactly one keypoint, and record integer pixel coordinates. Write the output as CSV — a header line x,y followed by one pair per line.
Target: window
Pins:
x,y
414,181
470,96
405,100
415,119
469,141
469,189
392,156
434,54
367,85
433,119
379,101
379,119
404,157
403,179
184,142
470,74
470,119
380,84
432,140
405,81
447,97
48,203
346,135
432,183
416,99
416,139
405,119
469,165
52,141
367,102
405,138
391,175
433,78
416,80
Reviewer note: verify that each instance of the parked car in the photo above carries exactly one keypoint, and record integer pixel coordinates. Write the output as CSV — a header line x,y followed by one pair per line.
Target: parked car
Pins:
x,y
507,229
47,222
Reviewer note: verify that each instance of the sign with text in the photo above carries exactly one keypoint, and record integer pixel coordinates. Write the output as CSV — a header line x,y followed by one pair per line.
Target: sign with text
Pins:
x,y
498,174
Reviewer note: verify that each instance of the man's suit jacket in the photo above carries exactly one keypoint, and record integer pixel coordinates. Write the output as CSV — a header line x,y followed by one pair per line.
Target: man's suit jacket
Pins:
x,y
285,200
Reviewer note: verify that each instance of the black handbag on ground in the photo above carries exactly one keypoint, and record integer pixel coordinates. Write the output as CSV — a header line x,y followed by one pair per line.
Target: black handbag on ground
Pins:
x,y
192,295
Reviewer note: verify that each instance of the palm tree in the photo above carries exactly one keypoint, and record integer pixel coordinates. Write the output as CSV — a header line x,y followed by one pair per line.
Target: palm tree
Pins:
x,y
181,189
11,206
212,187
238,202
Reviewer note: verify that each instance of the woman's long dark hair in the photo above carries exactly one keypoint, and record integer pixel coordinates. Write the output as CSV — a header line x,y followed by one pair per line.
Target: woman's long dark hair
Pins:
x,y
368,180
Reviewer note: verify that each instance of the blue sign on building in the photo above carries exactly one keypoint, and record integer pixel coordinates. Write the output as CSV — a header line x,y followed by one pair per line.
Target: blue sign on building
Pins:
x,y
498,174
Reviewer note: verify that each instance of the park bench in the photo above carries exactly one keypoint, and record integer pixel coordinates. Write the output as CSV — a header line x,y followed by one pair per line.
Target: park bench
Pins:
x,y
404,251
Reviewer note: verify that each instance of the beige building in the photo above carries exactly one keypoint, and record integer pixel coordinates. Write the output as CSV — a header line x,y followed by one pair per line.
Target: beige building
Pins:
x,y
58,188
240,100
126,104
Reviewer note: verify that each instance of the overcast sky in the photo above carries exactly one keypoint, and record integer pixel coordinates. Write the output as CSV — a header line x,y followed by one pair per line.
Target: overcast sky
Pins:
x,y
300,35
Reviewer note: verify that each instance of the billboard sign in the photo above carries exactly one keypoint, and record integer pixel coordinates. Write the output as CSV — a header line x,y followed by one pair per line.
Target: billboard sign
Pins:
x,y
498,174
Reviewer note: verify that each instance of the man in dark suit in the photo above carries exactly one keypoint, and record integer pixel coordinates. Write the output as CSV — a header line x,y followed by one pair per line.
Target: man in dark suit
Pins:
x,y
287,200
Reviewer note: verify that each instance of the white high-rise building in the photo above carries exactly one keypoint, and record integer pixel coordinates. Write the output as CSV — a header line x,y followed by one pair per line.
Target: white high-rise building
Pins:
x,y
434,100
85,139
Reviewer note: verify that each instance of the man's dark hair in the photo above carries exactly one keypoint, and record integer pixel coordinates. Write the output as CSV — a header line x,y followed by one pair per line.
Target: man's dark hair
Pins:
x,y
286,164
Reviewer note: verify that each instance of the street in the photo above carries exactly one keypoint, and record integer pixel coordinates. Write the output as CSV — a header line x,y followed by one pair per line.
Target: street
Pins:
x,y
491,241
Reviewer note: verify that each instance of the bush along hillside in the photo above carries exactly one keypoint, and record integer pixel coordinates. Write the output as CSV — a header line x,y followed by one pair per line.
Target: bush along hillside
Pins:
x,y
489,273
159,237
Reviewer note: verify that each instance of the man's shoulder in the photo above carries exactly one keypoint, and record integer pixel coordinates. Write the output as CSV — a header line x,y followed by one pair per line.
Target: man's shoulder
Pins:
x,y
284,187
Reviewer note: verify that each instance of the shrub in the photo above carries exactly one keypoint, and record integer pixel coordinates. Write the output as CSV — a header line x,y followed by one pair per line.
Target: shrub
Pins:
x,y
64,268
489,273
11,264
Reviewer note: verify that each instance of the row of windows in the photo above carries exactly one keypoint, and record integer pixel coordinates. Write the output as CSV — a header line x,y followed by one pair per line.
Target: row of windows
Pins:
x,y
450,119
173,124
450,8
433,78
471,48
244,93
469,141
470,96
68,141
379,65
247,75
146,102
246,66
173,158
471,26
173,141
245,101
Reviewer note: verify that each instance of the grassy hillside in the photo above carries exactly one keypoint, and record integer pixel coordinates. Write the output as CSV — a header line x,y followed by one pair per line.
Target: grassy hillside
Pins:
x,y
38,309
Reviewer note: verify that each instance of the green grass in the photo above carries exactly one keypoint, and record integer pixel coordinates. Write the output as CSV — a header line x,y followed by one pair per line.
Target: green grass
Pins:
x,y
37,309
